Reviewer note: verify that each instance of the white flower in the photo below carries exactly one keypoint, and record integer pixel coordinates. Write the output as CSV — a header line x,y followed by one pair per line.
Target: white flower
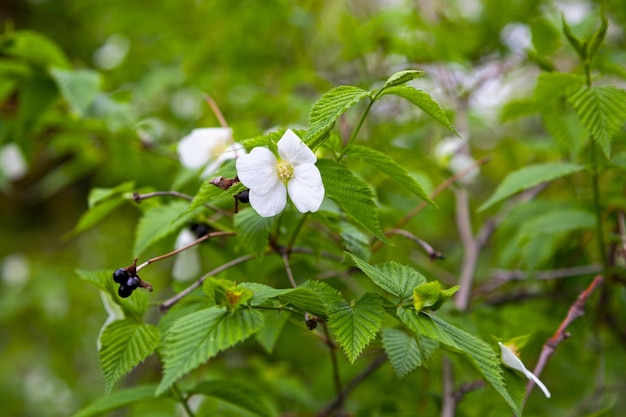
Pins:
x,y
510,360
186,263
209,147
270,179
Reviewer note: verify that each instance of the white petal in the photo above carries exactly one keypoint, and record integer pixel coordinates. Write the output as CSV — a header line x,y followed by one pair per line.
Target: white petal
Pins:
x,y
195,149
186,265
257,170
271,203
293,150
510,360
232,152
537,381
306,189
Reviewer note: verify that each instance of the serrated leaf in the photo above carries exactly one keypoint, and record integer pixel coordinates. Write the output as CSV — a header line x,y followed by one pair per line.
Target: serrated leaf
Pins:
x,y
528,177
133,307
602,110
274,323
306,300
551,102
36,48
351,194
328,294
422,100
209,193
199,336
117,400
356,324
327,110
426,295
392,277
159,222
125,344
387,165
402,350
402,77
238,393
78,87
253,231
479,353
261,292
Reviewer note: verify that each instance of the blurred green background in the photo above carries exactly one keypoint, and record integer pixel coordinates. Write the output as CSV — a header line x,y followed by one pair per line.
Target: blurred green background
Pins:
x,y
264,63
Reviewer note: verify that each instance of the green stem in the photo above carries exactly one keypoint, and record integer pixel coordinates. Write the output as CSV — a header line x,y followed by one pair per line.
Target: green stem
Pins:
x,y
182,400
595,183
296,232
356,130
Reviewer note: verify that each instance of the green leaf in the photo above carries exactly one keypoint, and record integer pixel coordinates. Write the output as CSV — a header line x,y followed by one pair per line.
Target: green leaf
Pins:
x,y
551,102
78,87
117,400
101,202
253,231
597,38
351,194
327,110
133,307
36,48
559,221
392,277
307,300
602,110
159,222
402,77
422,100
402,350
125,344
274,323
243,395
426,295
199,336
261,292
480,354
528,177
209,193
578,45
356,324
387,165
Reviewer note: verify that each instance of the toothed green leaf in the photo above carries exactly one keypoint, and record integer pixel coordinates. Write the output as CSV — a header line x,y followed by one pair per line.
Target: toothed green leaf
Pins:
x,y
252,231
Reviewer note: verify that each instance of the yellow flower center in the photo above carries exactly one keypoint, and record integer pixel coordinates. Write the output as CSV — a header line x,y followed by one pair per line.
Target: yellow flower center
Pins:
x,y
284,170
218,150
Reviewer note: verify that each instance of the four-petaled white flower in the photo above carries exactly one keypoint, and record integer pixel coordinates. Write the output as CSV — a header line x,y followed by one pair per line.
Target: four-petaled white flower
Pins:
x,y
209,147
510,360
270,179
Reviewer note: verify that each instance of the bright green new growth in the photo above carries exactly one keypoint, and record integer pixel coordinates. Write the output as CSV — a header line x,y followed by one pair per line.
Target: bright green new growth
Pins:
x,y
430,296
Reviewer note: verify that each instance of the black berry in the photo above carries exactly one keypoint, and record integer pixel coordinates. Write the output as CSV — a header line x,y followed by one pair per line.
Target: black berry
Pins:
x,y
200,229
124,292
244,196
120,276
132,283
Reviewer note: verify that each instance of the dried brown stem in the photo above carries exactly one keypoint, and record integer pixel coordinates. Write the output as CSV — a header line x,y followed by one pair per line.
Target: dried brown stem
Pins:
x,y
216,110
576,310
432,253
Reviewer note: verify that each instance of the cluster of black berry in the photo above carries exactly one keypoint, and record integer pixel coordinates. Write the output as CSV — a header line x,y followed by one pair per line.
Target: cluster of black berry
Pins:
x,y
127,282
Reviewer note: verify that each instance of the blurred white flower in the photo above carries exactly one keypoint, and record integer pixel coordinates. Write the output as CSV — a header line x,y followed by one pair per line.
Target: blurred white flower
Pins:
x,y
187,263
270,179
12,162
209,147
451,155
510,360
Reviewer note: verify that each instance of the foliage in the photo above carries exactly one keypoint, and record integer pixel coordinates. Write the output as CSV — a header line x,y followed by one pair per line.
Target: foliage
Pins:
x,y
444,228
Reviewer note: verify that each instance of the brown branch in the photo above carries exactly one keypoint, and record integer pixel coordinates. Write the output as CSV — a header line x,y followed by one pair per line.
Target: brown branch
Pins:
x,y
576,310
216,111
336,403
432,253
166,305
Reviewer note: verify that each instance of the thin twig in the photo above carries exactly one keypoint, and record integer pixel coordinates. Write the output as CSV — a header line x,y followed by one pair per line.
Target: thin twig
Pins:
x,y
166,305
182,400
448,408
138,197
432,253
336,403
576,310
285,257
216,110
332,347
174,252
